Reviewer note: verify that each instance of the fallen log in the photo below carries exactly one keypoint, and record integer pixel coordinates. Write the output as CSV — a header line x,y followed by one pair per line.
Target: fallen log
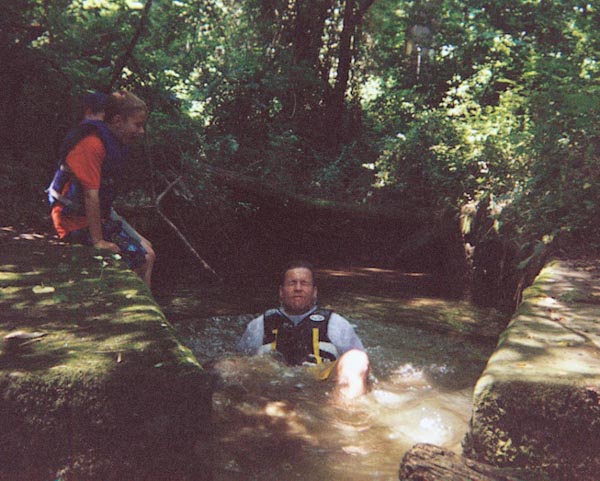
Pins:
x,y
427,462
283,195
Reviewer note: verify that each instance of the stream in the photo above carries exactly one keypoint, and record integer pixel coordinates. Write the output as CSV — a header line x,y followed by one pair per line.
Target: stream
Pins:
x,y
279,423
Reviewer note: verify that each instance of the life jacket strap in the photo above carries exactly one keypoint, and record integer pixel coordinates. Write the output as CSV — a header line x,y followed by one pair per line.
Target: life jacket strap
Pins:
x,y
59,197
315,344
274,343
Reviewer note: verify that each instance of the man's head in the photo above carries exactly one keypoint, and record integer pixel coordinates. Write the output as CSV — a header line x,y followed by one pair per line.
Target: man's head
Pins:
x,y
297,289
125,114
93,106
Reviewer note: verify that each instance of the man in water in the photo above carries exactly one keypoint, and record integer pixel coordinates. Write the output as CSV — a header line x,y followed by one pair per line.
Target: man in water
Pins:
x,y
306,334
85,183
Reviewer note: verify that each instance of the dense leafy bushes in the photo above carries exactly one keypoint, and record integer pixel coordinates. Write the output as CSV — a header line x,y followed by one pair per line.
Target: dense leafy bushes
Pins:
x,y
423,106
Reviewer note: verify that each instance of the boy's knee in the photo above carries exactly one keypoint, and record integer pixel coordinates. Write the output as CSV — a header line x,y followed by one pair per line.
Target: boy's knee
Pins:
x,y
352,374
150,253
354,361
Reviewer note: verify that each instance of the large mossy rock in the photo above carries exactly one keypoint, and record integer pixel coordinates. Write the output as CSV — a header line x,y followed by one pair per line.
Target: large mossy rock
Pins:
x,y
95,386
427,462
537,403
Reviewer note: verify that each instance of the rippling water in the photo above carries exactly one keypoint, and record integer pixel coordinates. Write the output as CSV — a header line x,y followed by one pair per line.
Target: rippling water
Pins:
x,y
280,423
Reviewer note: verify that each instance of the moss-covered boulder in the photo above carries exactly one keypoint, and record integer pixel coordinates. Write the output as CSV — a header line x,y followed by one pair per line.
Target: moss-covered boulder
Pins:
x,y
537,404
94,384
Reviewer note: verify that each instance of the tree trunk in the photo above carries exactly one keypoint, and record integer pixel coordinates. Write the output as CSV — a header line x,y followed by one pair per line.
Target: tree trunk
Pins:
x,y
426,462
344,62
348,48
307,36
308,31
281,195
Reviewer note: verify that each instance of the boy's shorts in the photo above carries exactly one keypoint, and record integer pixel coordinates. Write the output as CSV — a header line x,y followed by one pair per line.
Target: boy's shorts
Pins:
x,y
132,251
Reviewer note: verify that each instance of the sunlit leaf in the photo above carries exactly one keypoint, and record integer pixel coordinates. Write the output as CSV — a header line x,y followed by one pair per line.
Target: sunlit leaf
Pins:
x,y
43,289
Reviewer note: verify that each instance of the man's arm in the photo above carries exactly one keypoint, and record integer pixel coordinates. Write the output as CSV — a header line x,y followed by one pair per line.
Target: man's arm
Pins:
x,y
252,340
92,212
342,334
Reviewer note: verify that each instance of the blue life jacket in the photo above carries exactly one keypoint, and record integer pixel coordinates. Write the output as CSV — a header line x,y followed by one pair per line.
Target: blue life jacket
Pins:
x,y
305,342
72,200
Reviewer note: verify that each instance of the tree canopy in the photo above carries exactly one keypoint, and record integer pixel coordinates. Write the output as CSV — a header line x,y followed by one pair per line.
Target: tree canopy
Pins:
x,y
420,106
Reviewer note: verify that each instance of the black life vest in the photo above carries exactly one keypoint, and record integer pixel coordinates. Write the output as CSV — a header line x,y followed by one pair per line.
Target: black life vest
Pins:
x,y
66,190
305,342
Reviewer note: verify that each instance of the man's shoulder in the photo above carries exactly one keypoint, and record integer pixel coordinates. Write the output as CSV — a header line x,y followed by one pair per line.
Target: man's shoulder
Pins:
x,y
337,317
257,320
320,314
324,310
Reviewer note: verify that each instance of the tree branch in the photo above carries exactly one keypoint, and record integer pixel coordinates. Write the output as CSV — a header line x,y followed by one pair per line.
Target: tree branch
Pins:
x,y
178,232
125,58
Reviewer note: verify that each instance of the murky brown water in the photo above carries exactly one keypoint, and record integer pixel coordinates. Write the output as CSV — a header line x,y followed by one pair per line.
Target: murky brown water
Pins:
x,y
279,423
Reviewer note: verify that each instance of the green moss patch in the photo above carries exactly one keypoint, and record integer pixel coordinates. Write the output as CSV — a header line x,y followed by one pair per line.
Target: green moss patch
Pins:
x,y
94,383
537,403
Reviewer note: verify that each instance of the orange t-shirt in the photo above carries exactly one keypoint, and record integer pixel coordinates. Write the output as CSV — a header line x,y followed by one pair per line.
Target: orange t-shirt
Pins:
x,y
85,160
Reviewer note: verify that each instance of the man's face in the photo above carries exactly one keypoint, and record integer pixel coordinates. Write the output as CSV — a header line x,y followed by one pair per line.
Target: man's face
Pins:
x,y
128,129
298,293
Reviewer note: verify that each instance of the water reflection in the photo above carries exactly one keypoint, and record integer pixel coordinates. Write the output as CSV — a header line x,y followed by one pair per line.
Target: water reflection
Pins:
x,y
280,423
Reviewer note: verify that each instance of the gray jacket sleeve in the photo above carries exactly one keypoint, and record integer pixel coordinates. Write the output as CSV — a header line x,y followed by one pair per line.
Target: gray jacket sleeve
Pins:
x,y
342,334
252,338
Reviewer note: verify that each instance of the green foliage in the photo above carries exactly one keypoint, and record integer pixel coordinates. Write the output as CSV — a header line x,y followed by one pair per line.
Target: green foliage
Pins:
x,y
559,199
516,120
447,102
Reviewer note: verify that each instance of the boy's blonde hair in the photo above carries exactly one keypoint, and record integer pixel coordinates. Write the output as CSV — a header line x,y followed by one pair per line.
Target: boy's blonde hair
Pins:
x,y
123,103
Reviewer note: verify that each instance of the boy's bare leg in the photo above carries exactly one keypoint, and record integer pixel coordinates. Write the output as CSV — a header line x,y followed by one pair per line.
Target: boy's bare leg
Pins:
x,y
352,374
145,271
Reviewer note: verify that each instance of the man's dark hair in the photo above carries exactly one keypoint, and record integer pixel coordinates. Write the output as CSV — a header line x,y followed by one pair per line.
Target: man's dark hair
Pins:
x,y
297,264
